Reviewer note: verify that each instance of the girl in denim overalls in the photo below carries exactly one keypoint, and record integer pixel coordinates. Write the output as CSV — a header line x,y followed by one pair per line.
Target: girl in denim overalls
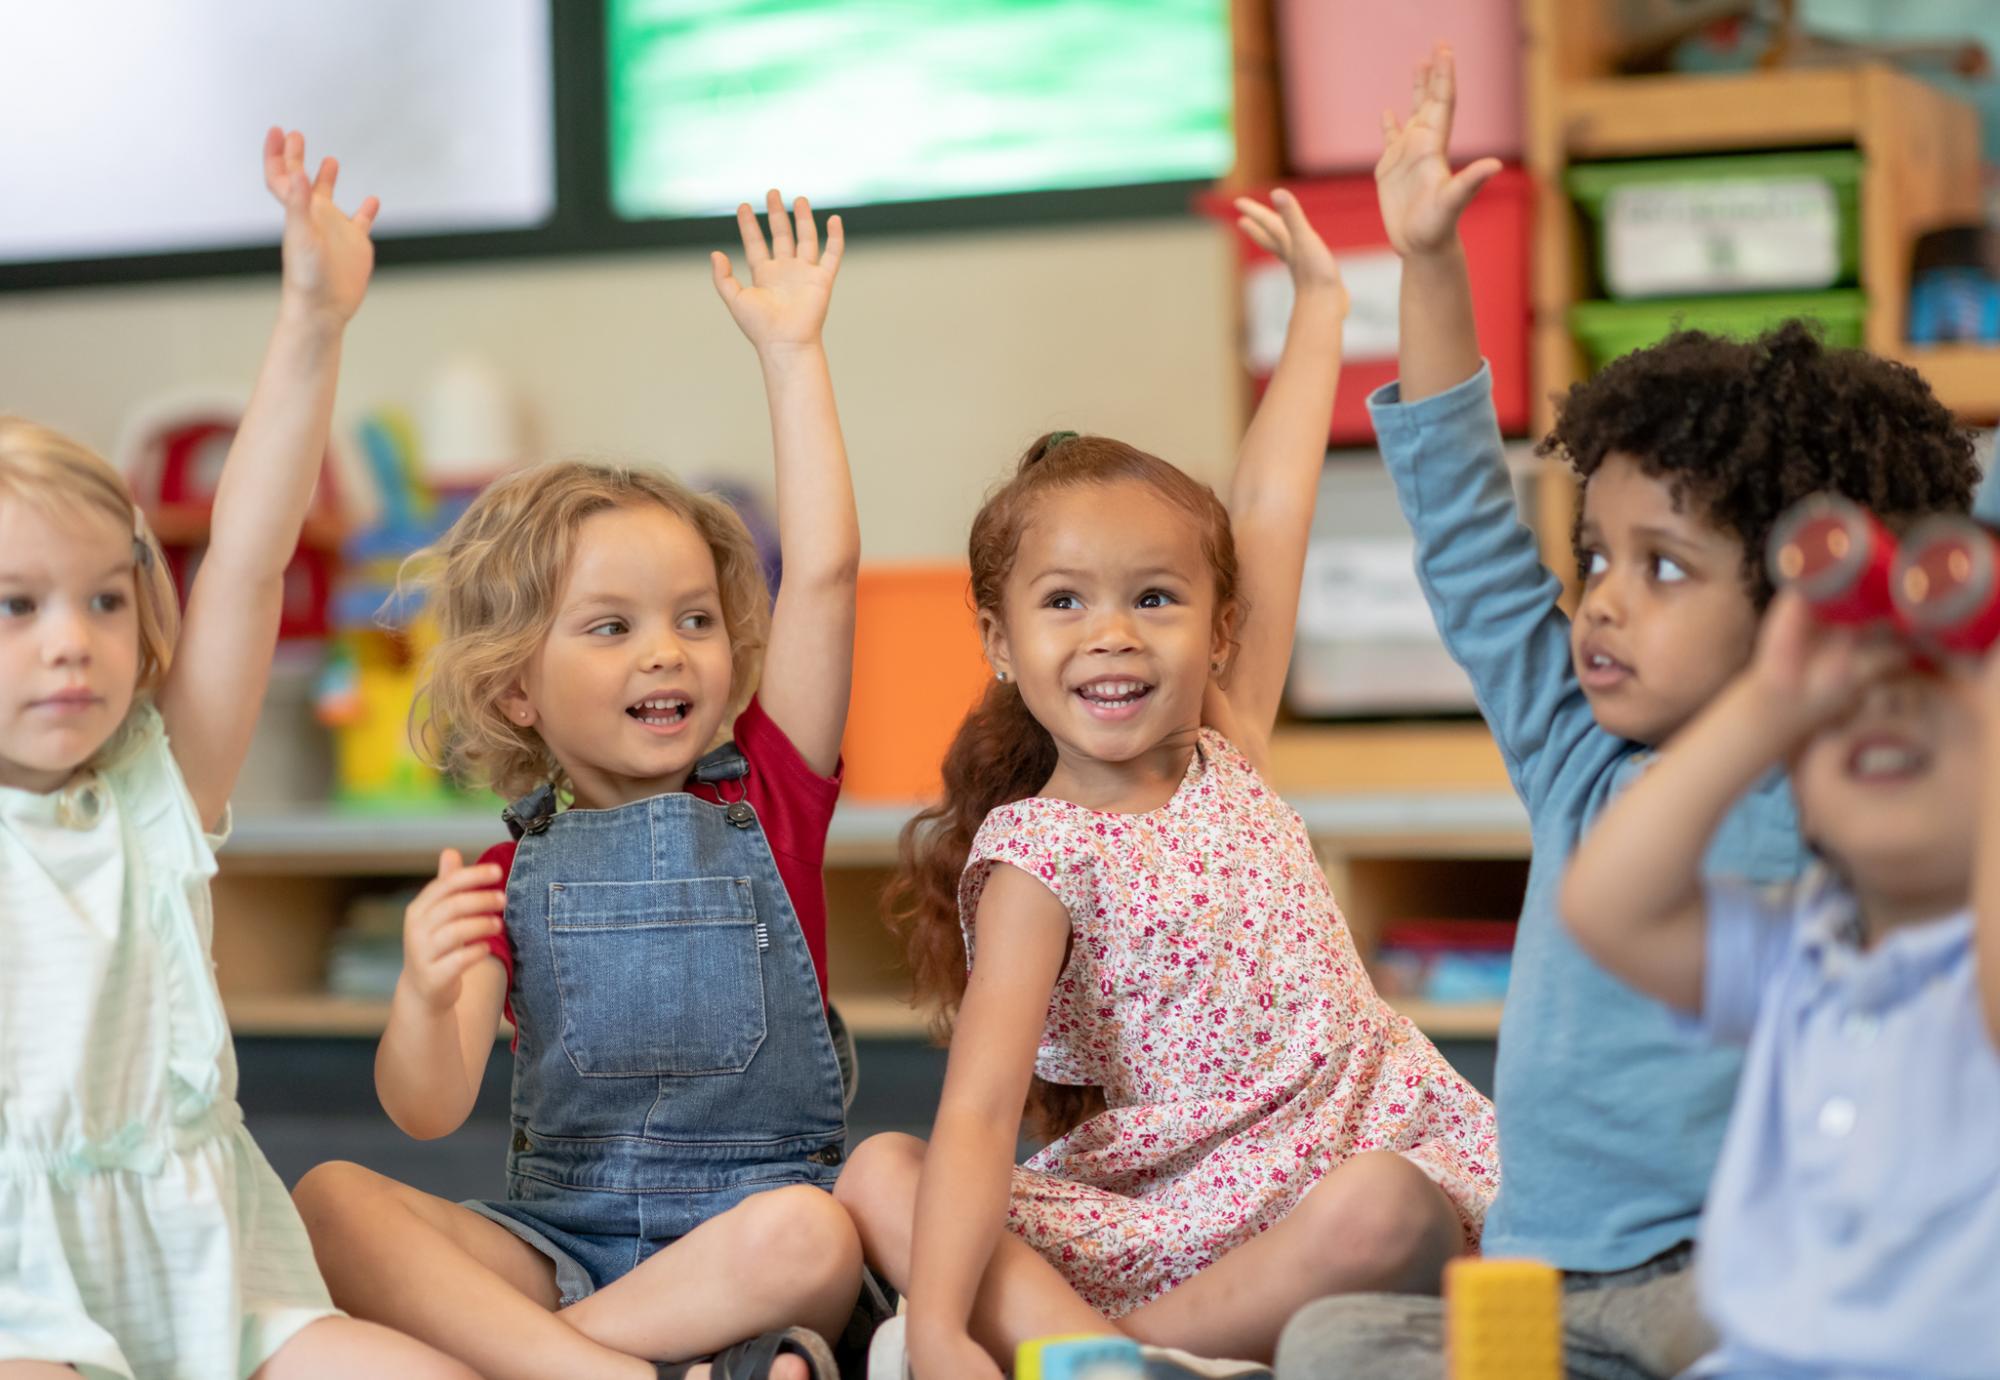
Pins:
x,y
677,1099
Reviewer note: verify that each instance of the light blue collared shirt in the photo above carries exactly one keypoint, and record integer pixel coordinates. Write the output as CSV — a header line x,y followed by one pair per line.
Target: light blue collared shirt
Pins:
x,y
1610,1116
1854,1226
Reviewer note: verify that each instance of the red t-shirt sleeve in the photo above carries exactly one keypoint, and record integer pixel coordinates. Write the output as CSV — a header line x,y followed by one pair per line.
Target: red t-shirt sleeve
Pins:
x,y
795,805
503,947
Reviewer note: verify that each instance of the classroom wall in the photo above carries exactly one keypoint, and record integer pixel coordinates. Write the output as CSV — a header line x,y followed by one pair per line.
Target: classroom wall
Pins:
x,y
949,352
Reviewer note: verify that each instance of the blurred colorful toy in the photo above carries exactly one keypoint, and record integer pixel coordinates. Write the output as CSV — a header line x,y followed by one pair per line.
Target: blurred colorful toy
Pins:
x,y
1503,1320
172,452
381,632
1086,1357
1947,584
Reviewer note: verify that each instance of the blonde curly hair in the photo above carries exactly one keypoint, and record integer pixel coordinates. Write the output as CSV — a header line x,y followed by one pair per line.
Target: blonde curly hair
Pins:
x,y
42,467
492,584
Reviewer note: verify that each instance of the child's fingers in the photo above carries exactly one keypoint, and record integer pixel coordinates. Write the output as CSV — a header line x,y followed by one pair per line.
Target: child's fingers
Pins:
x,y
1465,184
1392,128
274,161
461,904
458,963
725,278
1293,216
807,231
836,244
449,861
1259,236
328,174
448,939
754,248
781,229
364,217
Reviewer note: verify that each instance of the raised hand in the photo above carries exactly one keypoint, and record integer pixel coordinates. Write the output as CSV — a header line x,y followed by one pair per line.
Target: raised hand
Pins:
x,y
328,254
445,926
1813,673
1421,197
791,279
1285,232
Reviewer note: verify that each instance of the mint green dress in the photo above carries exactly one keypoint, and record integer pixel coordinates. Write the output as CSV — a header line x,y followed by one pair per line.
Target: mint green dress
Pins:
x,y
142,1233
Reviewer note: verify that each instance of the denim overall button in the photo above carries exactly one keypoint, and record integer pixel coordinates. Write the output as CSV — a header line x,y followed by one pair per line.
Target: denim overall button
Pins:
x,y
740,814
826,1154
521,1143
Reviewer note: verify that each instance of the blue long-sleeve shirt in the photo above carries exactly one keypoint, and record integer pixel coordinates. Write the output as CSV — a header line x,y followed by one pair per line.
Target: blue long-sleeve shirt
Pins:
x,y
1610,1115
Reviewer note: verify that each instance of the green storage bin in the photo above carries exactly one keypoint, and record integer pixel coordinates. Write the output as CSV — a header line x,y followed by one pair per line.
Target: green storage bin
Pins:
x,y
1760,222
1607,330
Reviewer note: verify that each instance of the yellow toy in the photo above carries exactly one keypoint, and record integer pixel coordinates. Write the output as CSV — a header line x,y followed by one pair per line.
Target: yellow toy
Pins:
x,y
1503,1320
1085,1357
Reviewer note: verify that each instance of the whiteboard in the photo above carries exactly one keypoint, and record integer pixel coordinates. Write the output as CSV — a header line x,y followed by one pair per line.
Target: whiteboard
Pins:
x,y
136,126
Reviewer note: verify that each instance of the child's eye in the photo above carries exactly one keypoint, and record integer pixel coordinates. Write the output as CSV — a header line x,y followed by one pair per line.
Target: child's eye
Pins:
x,y
108,603
1062,601
1156,599
697,622
1594,564
17,606
1668,571
610,627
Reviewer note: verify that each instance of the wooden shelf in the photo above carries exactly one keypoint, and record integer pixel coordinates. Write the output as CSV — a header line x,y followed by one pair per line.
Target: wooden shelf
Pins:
x,y
1639,117
868,1016
1966,378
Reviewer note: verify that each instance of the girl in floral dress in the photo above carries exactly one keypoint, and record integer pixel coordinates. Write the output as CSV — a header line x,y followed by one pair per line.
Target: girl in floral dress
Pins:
x,y
1128,930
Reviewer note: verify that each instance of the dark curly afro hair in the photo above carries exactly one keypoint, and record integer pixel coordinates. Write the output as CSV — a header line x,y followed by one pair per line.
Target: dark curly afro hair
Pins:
x,y
1741,430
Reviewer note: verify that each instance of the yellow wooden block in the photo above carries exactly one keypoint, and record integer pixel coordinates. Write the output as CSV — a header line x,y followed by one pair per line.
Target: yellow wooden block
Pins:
x,y
1503,1320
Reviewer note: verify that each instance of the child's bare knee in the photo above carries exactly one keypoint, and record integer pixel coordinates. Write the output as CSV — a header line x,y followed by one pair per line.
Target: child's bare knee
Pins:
x,y
328,1189
880,1176
801,1225
1380,1222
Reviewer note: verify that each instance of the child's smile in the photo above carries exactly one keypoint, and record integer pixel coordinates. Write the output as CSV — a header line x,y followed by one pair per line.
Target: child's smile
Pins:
x,y
1109,636
634,676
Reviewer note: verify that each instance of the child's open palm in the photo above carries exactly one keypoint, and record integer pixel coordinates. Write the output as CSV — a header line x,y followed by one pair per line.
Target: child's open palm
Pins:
x,y
1817,672
1282,229
328,254
791,279
1421,198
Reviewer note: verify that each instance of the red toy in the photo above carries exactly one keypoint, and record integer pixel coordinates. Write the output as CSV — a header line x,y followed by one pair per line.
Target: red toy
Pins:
x,y
1947,584
1840,557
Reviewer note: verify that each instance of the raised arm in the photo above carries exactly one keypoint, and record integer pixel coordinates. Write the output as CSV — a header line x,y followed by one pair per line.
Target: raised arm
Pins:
x,y
447,1004
1278,467
1421,200
1633,894
1022,934
809,665
223,663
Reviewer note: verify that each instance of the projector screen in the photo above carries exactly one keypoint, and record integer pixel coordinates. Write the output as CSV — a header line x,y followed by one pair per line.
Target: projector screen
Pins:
x,y
868,101
134,127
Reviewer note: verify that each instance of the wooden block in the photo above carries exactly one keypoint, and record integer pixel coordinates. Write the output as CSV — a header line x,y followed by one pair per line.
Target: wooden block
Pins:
x,y
1503,1320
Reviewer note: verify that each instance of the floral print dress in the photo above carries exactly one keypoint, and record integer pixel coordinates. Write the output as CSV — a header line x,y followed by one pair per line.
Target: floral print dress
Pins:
x,y
1214,993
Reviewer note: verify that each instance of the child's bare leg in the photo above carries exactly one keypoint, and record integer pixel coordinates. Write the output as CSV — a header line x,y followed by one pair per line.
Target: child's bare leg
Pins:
x,y
338,1348
785,1257
1377,1223
443,1273
1022,1295
36,1370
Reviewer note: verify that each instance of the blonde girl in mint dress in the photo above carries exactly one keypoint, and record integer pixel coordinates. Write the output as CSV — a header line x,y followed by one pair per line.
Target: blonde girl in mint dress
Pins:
x,y
142,1234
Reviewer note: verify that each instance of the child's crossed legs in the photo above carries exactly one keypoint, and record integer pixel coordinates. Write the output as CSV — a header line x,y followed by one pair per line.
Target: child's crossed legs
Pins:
x,y
1377,1222
472,1288
329,1349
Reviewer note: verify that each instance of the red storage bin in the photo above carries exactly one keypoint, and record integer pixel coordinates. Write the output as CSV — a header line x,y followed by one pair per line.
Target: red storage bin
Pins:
x,y
1495,230
1346,61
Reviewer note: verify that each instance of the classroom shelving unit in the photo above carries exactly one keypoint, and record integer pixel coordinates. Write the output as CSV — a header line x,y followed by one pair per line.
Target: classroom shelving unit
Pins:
x,y
1384,805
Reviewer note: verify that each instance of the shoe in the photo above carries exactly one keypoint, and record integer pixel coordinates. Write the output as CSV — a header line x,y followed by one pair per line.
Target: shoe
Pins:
x,y
886,1357
1168,1363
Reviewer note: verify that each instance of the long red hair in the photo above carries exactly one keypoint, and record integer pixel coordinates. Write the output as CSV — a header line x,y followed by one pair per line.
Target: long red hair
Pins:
x,y
1001,752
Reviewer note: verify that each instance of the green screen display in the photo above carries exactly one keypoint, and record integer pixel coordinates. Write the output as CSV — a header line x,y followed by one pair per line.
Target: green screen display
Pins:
x,y
860,101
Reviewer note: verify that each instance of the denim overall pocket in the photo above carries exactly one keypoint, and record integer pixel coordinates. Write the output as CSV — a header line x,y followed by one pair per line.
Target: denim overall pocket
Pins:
x,y
657,978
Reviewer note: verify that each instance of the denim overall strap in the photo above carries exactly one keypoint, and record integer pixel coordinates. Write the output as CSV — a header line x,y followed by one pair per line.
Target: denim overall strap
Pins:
x,y
674,1052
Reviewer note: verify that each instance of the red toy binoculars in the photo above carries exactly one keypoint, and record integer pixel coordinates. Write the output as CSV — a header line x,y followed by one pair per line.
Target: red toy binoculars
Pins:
x,y
1939,587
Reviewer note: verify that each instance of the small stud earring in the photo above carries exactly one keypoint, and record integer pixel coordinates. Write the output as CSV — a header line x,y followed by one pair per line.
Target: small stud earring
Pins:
x,y
1000,676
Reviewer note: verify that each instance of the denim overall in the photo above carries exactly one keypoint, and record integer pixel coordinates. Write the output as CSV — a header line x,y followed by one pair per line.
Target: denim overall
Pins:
x,y
674,1056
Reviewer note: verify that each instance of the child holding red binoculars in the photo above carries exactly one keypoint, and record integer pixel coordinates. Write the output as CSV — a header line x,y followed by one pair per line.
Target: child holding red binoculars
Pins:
x,y
1854,1218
